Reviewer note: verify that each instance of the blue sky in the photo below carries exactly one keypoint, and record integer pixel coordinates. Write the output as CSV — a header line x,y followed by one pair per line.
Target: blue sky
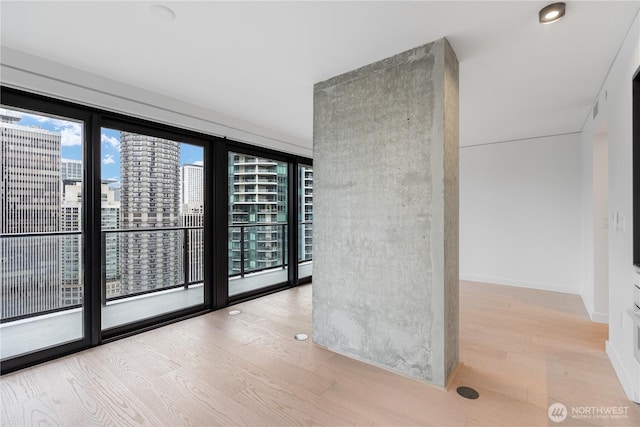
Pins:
x,y
71,137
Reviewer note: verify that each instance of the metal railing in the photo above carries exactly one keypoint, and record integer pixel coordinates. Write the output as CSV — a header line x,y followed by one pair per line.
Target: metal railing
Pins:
x,y
253,248
34,273
191,261
305,237
249,242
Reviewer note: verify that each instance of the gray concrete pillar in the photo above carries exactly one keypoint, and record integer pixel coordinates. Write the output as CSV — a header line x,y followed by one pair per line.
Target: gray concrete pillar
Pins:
x,y
385,255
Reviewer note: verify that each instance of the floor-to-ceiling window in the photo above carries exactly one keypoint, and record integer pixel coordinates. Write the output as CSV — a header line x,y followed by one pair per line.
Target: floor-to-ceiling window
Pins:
x,y
258,223
113,224
42,261
152,195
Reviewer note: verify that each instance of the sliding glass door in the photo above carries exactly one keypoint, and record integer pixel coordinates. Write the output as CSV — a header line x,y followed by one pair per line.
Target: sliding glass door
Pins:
x,y
258,223
42,209
152,211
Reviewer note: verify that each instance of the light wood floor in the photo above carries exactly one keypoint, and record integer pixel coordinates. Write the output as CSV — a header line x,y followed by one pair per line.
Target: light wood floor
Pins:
x,y
521,349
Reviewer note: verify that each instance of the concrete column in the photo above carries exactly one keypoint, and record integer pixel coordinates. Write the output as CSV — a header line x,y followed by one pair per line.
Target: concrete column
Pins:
x,y
385,255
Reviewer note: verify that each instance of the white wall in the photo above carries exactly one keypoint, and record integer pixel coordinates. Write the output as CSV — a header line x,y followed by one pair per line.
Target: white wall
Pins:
x,y
520,213
595,224
601,226
587,224
35,74
615,111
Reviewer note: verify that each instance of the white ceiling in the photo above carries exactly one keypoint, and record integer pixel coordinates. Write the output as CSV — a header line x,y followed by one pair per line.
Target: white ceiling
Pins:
x,y
258,61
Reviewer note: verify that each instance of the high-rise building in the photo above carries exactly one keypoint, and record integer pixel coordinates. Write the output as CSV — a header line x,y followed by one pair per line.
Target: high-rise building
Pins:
x,y
258,189
71,278
192,219
70,170
305,213
29,203
150,198
110,220
192,184
192,215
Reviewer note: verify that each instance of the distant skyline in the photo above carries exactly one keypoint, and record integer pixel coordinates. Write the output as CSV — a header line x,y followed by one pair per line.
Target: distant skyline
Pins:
x,y
71,141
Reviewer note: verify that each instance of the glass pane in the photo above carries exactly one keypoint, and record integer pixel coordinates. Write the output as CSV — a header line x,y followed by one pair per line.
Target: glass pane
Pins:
x,y
41,239
152,218
257,223
305,221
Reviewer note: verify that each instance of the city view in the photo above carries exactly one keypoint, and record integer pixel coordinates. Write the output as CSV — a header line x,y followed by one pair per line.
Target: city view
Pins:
x,y
152,208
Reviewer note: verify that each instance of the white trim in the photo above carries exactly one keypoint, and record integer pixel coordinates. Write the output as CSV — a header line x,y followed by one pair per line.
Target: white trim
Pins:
x,y
595,317
599,317
521,284
587,302
623,377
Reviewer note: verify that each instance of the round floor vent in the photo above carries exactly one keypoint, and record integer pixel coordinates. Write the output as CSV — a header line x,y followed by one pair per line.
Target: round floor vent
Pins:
x,y
467,392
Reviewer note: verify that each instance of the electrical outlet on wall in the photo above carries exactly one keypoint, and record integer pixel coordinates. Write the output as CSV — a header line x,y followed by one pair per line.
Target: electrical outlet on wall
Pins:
x,y
618,221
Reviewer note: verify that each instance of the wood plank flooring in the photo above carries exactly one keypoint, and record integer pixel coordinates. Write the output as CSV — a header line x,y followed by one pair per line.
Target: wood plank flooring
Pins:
x,y
521,349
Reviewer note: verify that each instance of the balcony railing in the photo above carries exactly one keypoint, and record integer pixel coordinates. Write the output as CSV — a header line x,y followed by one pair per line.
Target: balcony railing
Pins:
x,y
44,272
157,258
35,274
258,236
305,234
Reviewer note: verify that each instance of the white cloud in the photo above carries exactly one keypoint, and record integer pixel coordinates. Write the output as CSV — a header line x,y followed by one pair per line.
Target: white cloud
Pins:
x,y
111,141
198,163
108,159
70,132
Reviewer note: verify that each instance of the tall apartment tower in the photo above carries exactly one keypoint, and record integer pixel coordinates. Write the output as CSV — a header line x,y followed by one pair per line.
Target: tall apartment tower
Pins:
x,y
258,192
150,198
29,203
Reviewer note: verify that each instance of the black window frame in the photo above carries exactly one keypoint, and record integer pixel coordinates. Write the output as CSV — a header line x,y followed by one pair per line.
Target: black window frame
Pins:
x,y
38,104
216,149
143,127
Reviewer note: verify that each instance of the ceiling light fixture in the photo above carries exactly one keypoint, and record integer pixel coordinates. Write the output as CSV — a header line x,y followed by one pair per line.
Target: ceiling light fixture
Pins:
x,y
162,12
551,13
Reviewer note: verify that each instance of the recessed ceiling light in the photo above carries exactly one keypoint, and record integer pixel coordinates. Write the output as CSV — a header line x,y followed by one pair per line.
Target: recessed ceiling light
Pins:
x,y
551,13
162,12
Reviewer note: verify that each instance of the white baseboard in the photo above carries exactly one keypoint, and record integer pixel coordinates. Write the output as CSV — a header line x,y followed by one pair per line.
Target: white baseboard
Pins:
x,y
521,284
593,315
599,317
624,379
